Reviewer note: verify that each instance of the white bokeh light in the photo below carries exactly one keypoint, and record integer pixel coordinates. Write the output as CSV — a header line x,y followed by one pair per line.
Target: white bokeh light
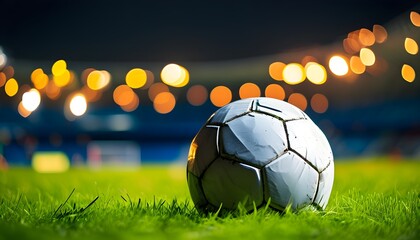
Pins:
x,y
31,100
78,105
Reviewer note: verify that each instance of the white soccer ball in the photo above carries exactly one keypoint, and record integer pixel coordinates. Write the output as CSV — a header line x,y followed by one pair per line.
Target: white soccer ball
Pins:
x,y
260,151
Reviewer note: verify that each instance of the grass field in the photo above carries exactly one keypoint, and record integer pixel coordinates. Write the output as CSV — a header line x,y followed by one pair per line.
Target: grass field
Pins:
x,y
371,199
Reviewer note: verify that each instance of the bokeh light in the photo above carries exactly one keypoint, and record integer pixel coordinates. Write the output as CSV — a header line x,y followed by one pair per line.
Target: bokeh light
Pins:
x,y
59,68
197,95
22,111
408,73
319,103
136,78
293,73
380,33
276,70
31,100
3,59
164,102
338,65
97,80
249,90
356,65
299,100
351,45
220,96
411,46
316,73
367,56
50,162
123,95
155,89
2,79
39,78
53,91
275,91
63,79
366,37
415,18
11,87
133,105
175,75
78,105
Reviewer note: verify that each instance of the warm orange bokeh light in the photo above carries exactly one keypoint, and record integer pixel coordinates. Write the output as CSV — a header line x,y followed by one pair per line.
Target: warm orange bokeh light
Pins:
x,y
356,65
22,111
197,95
367,56
316,73
276,70
415,18
298,100
53,92
411,46
366,37
319,103
380,33
275,91
220,96
408,73
133,105
123,95
164,102
157,88
249,90
175,75
11,87
2,79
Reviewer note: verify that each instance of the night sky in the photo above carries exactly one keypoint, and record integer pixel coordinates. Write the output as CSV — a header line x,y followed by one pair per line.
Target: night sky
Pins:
x,y
180,31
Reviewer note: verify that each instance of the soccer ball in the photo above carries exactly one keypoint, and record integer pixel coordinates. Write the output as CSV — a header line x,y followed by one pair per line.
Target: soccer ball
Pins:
x,y
260,151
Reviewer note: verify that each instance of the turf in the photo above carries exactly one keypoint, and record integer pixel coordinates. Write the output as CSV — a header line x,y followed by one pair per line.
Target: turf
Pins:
x,y
371,199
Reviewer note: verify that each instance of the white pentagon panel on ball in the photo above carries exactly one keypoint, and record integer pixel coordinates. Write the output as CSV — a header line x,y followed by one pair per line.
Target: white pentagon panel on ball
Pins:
x,y
326,180
310,142
232,183
230,111
203,149
290,180
196,191
254,138
281,109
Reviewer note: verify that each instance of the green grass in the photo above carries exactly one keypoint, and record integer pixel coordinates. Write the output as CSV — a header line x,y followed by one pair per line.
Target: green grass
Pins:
x,y
371,199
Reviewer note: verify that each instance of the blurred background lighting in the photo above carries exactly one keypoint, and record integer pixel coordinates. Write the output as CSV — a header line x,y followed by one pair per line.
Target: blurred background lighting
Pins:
x,y
31,100
164,102
97,80
39,78
63,79
338,65
367,56
408,73
50,162
157,88
133,105
53,91
78,105
11,87
380,33
2,79
22,111
275,91
197,95
299,100
123,95
415,18
316,73
3,59
366,37
276,70
174,75
411,46
59,68
293,73
356,65
319,103
220,96
136,78
249,90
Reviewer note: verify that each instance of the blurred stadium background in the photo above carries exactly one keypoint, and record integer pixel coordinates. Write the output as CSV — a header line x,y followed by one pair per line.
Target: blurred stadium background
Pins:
x,y
119,84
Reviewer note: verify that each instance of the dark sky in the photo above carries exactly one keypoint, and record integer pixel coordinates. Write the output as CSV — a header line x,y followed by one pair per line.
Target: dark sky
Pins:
x,y
180,31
